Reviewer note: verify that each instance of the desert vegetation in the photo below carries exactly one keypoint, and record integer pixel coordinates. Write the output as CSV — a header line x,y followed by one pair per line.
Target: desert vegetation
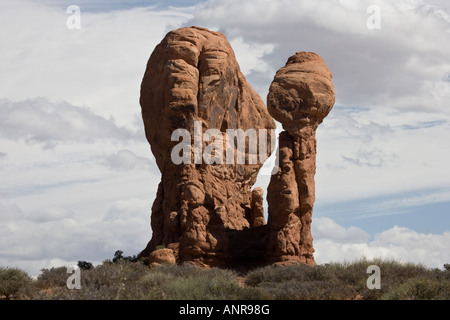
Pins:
x,y
129,278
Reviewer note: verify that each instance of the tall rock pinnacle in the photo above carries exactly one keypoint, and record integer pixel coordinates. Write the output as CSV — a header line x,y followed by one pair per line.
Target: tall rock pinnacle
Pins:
x,y
300,97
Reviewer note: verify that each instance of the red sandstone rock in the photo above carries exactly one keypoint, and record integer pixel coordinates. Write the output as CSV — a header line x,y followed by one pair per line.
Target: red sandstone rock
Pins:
x,y
161,256
300,96
302,93
206,213
257,209
193,75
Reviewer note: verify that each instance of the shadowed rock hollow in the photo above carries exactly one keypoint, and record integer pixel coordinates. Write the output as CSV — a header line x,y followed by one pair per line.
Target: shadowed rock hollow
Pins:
x,y
206,211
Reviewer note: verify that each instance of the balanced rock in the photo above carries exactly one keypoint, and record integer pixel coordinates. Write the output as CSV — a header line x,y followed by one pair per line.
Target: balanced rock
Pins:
x,y
192,92
300,96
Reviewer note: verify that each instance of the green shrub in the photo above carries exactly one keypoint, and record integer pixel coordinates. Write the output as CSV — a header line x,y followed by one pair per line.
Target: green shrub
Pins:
x,y
118,256
14,282
84,265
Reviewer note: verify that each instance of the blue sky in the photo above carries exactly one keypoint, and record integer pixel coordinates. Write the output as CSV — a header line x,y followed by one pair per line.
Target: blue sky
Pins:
x,y
78,176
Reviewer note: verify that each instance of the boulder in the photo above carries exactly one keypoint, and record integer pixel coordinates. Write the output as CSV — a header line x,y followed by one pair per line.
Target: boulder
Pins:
x,y
161,256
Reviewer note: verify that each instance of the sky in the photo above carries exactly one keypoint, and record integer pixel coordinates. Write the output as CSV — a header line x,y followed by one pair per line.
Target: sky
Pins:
x,y
78,177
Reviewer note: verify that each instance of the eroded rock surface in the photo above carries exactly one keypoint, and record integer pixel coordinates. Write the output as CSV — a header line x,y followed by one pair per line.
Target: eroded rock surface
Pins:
x,y
192,77
161,256
300,96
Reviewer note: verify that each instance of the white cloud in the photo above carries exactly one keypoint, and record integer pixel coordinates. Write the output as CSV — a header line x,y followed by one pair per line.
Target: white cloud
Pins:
x,y
249,55
326,228
133,208
396,243
9,212
42,121
374,152
100,66
390,67
61,236
125,160
50,214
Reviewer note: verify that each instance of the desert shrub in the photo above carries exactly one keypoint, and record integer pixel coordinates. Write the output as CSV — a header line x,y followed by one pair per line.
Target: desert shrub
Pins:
x,y
278,274
14,283
344,280
189,282
54,277
106,281
126,280
298,282
110,281
393,274
420,289
306,290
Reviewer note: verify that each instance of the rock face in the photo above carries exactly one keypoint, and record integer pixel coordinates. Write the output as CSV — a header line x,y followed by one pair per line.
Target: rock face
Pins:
x,y
161,256
193,82
257,214
300,96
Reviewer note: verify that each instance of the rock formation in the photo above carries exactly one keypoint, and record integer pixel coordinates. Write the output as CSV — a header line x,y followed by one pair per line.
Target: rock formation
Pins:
x,y
161,256
300,96
205,211
193,82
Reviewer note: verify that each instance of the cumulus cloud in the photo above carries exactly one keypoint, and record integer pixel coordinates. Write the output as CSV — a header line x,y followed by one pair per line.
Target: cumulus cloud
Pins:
x,y
326,228
42,121
110,5
10,212
249,55
125,160
369,157
373,152
50,214
398,243
58,236
100,65
134,208
390,67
